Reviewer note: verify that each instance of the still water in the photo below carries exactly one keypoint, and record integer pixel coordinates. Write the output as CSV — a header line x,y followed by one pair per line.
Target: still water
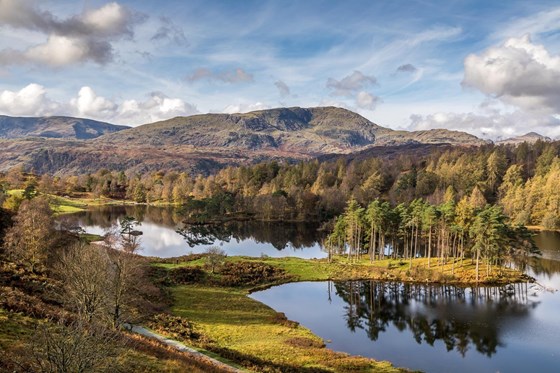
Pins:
x,y
429,328
165,235
515,328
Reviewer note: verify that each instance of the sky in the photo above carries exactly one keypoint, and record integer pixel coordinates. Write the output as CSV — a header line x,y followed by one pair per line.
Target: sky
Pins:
x,y
490,68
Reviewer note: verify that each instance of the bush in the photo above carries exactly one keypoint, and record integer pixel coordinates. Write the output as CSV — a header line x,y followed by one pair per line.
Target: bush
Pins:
x,y
187,275
174,326
250,273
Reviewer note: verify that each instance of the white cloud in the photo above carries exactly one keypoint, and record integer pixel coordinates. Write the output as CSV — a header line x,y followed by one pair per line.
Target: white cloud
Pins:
x,y
110,20
33,100
170,31
157,107
519,73
89,104
245,107
351,84
77,39
539,23
365,100
237,75
494,124
62,50
29,101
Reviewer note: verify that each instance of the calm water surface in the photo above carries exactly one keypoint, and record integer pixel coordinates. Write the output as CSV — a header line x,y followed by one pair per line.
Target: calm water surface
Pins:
x,y
430,328
165,235
438,328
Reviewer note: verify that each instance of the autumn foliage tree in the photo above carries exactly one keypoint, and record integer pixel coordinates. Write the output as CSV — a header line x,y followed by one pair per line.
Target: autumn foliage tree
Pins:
x,y
28,240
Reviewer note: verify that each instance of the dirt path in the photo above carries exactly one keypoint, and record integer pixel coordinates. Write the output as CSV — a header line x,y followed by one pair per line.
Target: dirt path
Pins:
x,y
183,348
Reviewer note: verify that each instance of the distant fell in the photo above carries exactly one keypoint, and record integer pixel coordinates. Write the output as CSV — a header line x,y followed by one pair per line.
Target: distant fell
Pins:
x,y
310,131
530,137
54,127
208,142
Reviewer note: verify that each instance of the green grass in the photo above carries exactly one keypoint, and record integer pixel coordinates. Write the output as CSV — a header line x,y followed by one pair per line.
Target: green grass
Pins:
x,y
244,329
14,328
452,272
15,192
90,237
240,326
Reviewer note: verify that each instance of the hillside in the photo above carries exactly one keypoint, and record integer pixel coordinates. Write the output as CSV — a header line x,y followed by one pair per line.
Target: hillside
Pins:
x,y
202,143
310,131
54,127
530,138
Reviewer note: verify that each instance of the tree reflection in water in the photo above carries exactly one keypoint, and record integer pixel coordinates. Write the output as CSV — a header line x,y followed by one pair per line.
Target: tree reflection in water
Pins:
x,y
459,317
279,234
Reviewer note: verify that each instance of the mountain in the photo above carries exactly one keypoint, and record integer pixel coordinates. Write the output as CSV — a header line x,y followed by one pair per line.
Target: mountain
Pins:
x,y
205,143
306,131
388,137
530,137
54,127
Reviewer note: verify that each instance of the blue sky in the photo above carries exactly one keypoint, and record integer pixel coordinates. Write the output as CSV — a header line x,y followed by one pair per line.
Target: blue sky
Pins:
x,y
487,67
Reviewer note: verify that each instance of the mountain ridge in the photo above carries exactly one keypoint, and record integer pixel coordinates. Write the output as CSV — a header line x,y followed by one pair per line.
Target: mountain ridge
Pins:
x,y
54,127
529,137
204,143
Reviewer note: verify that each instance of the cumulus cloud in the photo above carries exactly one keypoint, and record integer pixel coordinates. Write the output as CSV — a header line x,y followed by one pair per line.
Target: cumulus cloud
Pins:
x,y
493,125
351,84
518,73
245,107
234,76
77,39
89,104
367,101
407,68
30,100
33,100
169,31
283,88
157,107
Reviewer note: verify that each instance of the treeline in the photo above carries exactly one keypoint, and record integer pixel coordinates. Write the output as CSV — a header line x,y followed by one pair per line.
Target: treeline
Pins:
x,y
449,231
520,178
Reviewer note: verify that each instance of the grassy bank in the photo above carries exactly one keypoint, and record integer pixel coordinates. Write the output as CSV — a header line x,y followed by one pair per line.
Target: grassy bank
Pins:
x,y
248,332
253,334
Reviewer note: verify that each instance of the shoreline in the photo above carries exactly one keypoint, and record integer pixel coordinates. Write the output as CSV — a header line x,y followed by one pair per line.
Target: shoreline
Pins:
x,y
240,328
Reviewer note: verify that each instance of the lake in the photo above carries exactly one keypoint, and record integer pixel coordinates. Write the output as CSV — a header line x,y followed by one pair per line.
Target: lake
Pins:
x,y
436,328
514,328
164,234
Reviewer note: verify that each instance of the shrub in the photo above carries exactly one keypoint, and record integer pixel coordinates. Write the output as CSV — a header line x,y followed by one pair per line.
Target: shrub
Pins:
x,y
187,275
250,273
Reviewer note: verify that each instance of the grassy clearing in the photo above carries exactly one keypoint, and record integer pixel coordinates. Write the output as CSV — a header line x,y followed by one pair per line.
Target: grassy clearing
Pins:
x,y
451,272
247,331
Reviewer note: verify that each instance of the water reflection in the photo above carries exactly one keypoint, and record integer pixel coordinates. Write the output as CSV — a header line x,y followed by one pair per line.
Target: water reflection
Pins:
x,y
438,328
459,317
165,234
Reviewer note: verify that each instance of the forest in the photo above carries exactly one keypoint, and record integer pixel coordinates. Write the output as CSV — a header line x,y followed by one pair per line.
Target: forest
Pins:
x,y
521,179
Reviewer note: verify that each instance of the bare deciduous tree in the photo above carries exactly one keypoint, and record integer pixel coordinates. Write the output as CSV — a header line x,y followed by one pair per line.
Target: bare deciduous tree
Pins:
x,y
85,271
76,347
215,257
